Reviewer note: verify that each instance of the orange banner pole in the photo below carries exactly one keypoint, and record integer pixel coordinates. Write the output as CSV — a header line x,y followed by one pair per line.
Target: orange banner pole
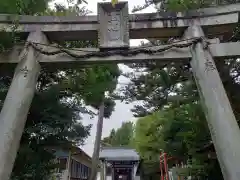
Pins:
x,y
166,166
161,167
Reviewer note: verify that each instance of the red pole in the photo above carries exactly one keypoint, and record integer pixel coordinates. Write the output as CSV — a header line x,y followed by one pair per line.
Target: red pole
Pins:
x,y
161,167
166,166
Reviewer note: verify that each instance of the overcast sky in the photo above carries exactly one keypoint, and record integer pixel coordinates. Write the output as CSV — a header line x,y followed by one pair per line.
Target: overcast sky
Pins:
x,y
122,111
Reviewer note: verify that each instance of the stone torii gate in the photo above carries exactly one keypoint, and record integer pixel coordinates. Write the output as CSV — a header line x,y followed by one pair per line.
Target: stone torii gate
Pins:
x,y
113,27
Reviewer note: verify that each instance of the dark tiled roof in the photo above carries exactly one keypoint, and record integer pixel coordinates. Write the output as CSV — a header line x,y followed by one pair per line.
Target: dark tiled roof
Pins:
x,y
63,151
119,153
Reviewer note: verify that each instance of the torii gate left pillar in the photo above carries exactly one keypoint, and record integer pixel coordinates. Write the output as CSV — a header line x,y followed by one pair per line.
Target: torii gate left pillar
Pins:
x,y
17,103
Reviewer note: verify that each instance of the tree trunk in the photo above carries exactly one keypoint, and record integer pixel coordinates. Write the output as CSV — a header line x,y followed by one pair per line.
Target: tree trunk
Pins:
x,y
95,157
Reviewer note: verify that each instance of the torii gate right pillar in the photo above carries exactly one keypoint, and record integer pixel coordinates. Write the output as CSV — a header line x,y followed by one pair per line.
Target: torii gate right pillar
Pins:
x,y
222,123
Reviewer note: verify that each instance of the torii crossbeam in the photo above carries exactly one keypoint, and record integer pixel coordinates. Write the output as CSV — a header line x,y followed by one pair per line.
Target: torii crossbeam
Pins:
x,y
162,25
114,28
218,50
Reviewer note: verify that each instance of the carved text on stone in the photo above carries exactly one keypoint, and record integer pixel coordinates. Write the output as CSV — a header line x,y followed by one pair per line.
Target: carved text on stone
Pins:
x,y
114,26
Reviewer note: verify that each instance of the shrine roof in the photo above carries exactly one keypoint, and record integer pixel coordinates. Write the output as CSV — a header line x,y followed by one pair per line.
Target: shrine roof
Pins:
x,y
119,154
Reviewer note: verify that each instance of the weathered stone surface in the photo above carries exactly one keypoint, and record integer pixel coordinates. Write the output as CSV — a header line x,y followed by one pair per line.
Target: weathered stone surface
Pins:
x,y
218,51
222,123
113,30
17,103
151,25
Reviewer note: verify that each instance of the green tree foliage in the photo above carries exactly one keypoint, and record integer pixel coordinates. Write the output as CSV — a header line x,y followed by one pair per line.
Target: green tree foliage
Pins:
x,y
61,97
148,136
180,132
182,5
114,2
28,7
108,141
120,137
148,141
18,7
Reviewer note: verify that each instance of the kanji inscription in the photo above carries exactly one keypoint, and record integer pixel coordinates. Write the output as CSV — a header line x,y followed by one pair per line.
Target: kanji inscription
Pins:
x,y
113,25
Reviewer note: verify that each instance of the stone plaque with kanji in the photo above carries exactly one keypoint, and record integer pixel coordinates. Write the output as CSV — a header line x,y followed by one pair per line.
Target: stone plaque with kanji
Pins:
x,y
113,22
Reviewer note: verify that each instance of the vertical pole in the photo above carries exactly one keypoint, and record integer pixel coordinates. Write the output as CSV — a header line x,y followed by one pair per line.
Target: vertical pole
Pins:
x,y
17,103
165,165
182,177
178,176
103,173
161,167
221,120
95,157
69,162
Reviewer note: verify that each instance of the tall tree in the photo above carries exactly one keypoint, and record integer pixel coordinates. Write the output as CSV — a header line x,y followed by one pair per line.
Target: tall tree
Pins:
x,y
121,136
149,142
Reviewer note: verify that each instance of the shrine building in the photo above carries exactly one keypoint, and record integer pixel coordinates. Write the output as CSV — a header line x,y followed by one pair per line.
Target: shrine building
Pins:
x,y
119,163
